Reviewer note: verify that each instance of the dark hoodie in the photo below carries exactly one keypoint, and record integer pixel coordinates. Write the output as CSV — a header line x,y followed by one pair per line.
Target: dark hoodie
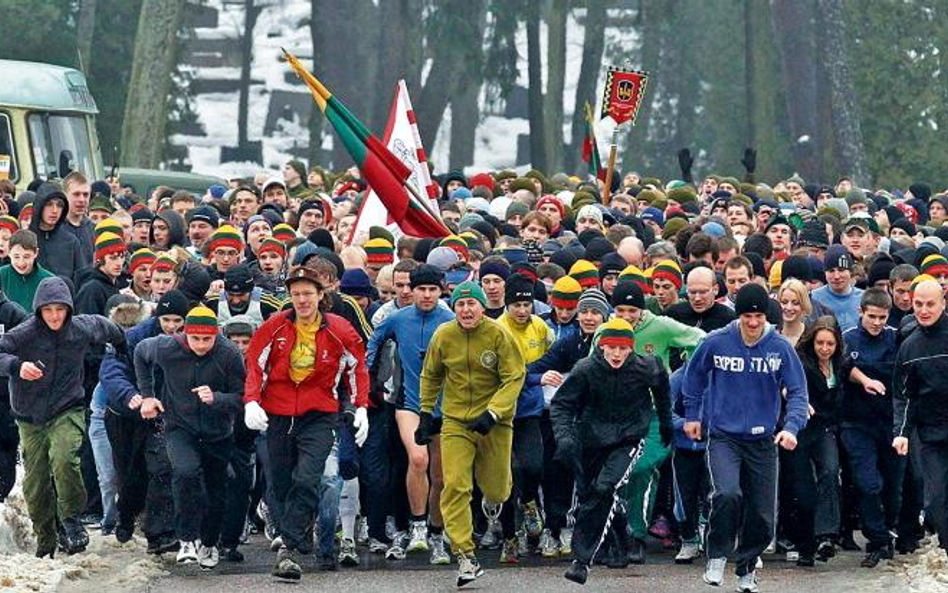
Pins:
x,y
62,352
176,234
59,250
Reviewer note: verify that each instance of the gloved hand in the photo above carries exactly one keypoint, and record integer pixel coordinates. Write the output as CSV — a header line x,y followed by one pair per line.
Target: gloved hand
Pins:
x,y
750,160
666,431
567,452
685,161
423,432
483,423
254,417
361,426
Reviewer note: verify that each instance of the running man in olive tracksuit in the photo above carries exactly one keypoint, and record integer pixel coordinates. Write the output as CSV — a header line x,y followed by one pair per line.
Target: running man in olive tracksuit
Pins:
x,y
481,371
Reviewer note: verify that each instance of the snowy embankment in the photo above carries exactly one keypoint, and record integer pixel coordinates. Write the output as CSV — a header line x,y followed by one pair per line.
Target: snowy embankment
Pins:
x,y
105,567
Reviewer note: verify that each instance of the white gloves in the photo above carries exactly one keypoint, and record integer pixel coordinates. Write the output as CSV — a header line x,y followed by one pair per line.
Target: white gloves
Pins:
x,y
361,425
254,417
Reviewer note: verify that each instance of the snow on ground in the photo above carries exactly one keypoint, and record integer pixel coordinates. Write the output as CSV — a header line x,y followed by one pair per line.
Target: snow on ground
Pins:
x,y
105,567
925,571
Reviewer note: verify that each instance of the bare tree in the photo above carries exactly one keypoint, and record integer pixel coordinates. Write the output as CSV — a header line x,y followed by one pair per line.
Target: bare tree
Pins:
x,y
555,79
593,46
535,88
85,30
251,12
146,108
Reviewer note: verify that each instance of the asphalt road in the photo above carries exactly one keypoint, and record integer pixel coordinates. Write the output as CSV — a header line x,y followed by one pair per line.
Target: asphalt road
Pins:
x,y
413,575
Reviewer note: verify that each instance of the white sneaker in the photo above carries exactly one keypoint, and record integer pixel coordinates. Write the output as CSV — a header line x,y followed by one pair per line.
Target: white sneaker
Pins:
x,y
347,553
438,554
377,547
566,539
747,583
793,557
208,557
469,569
397,551
276,543
714,571
362,529
688,552
418,540
759,563
548,546
187,553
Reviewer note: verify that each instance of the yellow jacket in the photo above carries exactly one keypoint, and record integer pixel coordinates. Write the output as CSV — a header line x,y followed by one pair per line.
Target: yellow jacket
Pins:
x,y
534,337
478,370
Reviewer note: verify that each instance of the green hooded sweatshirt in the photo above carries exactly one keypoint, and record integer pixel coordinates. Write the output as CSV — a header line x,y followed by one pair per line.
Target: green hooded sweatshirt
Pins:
x,y
20,289
657,335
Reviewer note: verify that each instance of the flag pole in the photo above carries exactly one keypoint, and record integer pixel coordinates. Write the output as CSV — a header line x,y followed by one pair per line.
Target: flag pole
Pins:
x,y
423,202
607,192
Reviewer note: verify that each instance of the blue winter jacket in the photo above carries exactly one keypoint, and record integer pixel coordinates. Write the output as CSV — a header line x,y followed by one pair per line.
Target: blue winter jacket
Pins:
x,y
117,373
741,387
680,440
411,329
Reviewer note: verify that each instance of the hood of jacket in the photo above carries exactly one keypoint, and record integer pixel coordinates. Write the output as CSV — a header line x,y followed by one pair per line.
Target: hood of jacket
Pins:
x,y
45,193
53,290
176,234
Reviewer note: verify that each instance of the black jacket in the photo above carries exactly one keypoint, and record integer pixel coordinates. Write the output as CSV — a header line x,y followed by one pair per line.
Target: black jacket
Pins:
x,y
600,407
11,315
95,292
221,369
920,392
176,231
62,352
716,317
59,250
824,399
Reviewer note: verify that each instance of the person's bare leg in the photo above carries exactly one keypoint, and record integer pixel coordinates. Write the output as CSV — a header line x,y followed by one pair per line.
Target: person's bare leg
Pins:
x,y
416,480
437,482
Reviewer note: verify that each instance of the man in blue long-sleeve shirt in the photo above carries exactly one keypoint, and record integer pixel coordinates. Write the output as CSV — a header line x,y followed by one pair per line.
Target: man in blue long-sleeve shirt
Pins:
x,y
734,382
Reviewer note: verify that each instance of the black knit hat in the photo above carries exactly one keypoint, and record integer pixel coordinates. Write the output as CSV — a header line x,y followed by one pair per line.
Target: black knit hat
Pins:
x,y
172,302
518,288
751,298
597,248
425,275
612,263
629,293
238,280
880,269
795,266
813,234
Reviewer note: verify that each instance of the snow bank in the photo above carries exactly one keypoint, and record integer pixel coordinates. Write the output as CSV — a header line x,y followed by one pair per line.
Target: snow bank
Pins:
x,y
925,571
105,567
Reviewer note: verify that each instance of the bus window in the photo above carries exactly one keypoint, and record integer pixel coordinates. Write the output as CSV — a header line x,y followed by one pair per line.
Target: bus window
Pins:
x,y
6,145
60,144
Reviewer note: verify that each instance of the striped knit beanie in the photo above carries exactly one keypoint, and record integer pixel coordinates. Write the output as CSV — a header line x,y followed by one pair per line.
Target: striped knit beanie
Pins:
x,y
934,265
635,274
26,213
108,225
108,243
566,293
164,263
586,273
616,332
457,244
379,251
9,223
596,300
227,236
200,321
142,257
284,232
668,270
918,280
271,244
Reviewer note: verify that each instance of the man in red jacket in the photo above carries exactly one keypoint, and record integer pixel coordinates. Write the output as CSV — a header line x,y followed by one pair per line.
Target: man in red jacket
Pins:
x,y
294,362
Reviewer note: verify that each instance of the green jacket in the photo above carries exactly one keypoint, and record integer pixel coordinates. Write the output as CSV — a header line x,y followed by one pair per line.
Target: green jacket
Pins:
x,y
20,289
479,369
656,335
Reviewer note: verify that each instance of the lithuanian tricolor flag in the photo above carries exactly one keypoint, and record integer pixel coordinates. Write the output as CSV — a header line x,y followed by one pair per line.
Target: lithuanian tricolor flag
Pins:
x,y
382,169
591,149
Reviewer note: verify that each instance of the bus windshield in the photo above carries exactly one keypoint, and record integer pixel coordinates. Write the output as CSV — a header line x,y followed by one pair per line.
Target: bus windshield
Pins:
x,y
60,144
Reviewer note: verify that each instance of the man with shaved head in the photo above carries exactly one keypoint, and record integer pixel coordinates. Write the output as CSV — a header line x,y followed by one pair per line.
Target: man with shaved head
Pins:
x,y
920,400
701,310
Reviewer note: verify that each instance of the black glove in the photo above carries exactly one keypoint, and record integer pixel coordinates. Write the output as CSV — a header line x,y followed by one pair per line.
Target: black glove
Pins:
x,y
423,432
567,452
685,160
483,423
666,431
750,160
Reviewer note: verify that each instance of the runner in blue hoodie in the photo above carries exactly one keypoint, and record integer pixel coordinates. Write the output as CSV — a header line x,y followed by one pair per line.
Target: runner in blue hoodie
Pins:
x,y
736,382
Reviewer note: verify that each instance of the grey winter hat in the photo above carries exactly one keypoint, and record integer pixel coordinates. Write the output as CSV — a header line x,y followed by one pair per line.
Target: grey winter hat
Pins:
x,y
594,299
239,325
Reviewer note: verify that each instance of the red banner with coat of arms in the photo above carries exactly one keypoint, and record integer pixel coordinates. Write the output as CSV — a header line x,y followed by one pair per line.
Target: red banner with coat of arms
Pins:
x,y
622,94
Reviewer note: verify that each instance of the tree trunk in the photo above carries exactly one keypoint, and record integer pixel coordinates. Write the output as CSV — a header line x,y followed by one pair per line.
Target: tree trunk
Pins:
x,y
794,32
555,80
465,104
251,12
648,21
85,31
850,149
538,157
454,53
593,46
750,82
143,130
399,53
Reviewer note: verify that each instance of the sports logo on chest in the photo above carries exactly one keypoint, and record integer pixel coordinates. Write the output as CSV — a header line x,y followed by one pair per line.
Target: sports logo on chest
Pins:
x,y
488,359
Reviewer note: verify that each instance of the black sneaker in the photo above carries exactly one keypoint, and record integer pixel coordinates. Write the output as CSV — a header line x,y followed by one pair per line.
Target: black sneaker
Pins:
x,y
873,558
74,536
847,543
906,546
124,533
806,560
326,563
637,552
46,550
232,555
287,565
163,544
825,550
577,572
